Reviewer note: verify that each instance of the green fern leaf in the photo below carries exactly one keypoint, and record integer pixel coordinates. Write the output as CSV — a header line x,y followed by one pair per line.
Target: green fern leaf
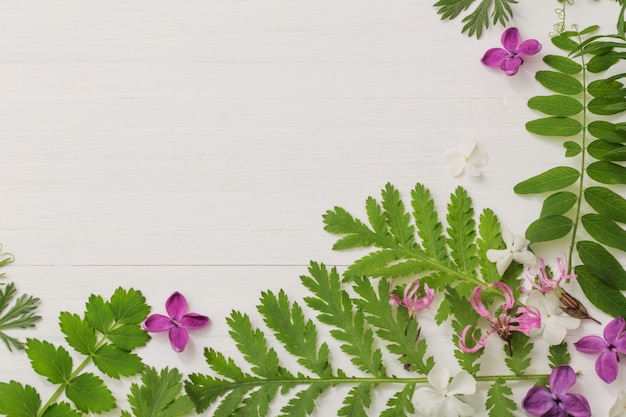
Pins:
x,y
401,403
159,395
499,403
303,403
357,401
429,228
398,220
518,358
489,238
358,235
461,231
377,217
559,355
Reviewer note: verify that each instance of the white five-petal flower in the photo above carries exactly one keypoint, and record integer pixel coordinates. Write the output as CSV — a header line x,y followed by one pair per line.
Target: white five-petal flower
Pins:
x,y
516,250
554,324
467,158
619,408
440,398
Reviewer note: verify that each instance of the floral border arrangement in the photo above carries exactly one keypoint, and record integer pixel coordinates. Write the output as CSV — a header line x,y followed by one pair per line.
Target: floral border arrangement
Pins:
x,y
490,283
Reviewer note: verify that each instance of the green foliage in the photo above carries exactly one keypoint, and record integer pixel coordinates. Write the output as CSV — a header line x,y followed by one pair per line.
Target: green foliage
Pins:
x,y
520,359
583,111
15,313
485,14
559,355
104,336
158,395
499,403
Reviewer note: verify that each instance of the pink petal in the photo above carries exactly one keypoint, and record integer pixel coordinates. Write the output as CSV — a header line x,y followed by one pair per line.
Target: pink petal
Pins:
x,y
194,321
590,344
511,65
614,329
538,401
176,306
606,366
178,338
620,343
494,57
510,39
576,405
158,323
508,295
477,303
528,47
561,379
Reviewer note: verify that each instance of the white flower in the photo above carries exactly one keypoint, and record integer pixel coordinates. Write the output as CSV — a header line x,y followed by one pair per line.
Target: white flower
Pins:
x,y
619,408
467,158
516,250
440,398
554,324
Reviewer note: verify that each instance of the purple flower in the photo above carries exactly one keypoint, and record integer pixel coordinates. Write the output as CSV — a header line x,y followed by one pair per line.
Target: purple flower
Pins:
x,y
614,341
177,323
556,402
509,59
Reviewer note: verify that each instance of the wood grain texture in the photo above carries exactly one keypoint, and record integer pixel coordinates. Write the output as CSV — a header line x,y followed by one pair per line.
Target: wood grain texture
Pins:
x,y
194,145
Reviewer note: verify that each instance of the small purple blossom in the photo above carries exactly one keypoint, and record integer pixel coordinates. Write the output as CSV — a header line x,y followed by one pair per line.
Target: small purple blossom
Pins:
x,y
523,320
509,59
614,342
412,300
556,401
177,323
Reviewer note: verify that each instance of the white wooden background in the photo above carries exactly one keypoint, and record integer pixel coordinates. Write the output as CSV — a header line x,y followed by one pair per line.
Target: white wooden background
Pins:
x,y
194,146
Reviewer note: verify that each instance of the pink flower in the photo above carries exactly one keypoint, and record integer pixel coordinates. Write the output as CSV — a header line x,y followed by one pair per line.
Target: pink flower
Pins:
x,y
509,59
544,280
556,401
524,320
413,300
177,323
614,342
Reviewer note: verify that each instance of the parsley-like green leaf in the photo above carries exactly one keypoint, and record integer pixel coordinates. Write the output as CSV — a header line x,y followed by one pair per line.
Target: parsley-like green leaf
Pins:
x,y
78,333
49,361
129,306
401,403
128,337
17,400
520,359
357,401
88,392
462,231
160,394
559,355
98,313
61,410
116,362
499,402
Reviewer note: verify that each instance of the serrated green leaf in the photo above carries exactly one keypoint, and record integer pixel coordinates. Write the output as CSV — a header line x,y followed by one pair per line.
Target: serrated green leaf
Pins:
x,y
160,394
116,362
554,126
550,180
17,400
128,337
563,64
607,131
204,390
398,220
376,217
559,355
19,315
98,314
89,394
372,263
606,151
556,105
564,42
462,231
607,105
604,230
550,227
559,82
604,297
61,410
224,366
78,333
607,172
602,62
450,9
303,402
601,88
428,225
489,238
558,203
499,403
49,361
129,306
521,347
606,202
338,221
602,264
572,148
357,401
400,403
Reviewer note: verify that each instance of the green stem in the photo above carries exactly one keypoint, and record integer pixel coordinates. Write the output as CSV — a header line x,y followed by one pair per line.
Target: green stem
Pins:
x,y
583,145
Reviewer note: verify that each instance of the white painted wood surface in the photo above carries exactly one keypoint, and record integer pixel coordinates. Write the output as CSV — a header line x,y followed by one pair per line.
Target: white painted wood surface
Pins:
x,y
194,145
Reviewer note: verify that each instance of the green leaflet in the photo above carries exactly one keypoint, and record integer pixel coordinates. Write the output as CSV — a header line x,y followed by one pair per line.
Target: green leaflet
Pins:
x,y
602,264
607,151
565,42
498,402
607,172
607,131
559,355
605,230
607,202
486,13
17,400
554,126
606,298
600,88
563,64
159,395
572,148
556,105
559,82
49,361
89,394
551,180
558,203
550,227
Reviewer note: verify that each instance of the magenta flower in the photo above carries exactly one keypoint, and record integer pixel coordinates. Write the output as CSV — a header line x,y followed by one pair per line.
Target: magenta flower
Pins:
x,y
549,280
614,342
413,300
177,323
509,59
556,402
523,320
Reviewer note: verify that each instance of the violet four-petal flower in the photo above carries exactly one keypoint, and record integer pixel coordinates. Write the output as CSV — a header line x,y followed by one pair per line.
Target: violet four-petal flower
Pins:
x,y
177,323
614,341
509,59
556,401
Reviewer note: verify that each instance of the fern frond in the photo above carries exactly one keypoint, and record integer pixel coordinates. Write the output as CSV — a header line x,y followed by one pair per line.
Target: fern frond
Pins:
x,y
462,231
401,403
357,402
521,347
489,238
398,220
499,403
429,228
